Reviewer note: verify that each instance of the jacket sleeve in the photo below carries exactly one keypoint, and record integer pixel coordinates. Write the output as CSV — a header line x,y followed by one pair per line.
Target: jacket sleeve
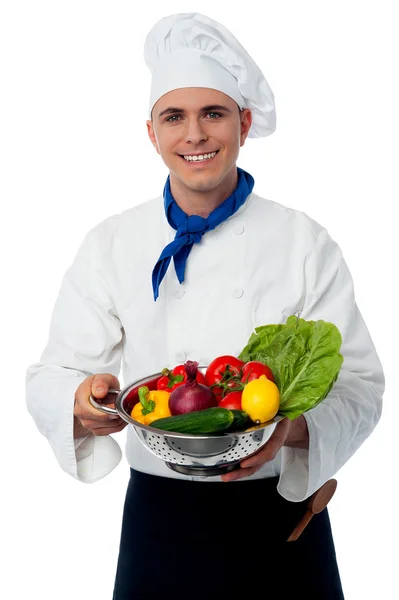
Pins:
x,y
85,338
347,416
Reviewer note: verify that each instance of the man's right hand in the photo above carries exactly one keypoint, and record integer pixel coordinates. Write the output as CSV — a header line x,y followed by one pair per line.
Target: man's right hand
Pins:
x,y
87,418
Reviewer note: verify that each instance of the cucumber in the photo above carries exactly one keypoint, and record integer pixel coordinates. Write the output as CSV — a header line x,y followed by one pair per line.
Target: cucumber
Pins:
x,y
241,420
208,420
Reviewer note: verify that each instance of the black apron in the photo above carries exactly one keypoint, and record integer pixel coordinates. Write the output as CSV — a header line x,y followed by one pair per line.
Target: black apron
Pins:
x,y
184,539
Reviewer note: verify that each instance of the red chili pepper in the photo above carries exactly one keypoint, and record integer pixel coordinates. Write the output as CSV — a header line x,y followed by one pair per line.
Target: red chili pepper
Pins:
x,y
170,380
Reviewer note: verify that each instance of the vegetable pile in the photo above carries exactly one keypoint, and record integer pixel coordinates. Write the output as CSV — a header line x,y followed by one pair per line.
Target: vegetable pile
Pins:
x,y
284,369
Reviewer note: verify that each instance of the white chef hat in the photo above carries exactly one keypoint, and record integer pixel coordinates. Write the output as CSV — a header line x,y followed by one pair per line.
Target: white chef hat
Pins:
x,y
192,50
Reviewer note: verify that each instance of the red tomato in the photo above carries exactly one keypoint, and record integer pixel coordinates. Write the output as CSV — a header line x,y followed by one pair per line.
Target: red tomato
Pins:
x,y
254,369
235,385
218,393
217,368
232,401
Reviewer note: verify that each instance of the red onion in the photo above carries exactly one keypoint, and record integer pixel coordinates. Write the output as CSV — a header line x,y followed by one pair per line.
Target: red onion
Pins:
x,y
191,395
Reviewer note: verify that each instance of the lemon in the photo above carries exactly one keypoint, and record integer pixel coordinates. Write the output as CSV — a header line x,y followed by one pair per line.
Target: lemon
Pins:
x,y
261,399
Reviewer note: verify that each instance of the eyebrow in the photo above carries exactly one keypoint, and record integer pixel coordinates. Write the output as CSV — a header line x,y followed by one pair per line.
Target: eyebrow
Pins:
x,y
209,108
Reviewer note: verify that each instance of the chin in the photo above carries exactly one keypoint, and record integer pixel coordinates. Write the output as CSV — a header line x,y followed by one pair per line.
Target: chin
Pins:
x,y
201,185
199,182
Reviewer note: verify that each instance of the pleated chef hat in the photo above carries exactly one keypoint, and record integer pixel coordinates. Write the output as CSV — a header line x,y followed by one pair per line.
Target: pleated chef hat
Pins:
x,y
192,50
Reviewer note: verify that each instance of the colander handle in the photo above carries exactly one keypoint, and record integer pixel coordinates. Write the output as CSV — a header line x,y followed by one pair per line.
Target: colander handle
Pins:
x,y
102,407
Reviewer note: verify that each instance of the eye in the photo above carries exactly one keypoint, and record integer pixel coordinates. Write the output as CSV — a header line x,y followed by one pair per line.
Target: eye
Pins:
x,y
172,119
214,115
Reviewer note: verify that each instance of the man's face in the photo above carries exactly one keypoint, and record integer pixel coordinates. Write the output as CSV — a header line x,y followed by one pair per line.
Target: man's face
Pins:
x,y
193,122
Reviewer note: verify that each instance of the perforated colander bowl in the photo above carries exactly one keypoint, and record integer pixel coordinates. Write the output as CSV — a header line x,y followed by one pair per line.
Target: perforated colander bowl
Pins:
x,y
202,455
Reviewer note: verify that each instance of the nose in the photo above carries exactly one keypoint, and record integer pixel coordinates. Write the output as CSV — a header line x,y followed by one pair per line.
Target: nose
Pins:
x,y
194,133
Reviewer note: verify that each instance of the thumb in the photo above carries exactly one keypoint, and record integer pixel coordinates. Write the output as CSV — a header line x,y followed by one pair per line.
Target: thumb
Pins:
x,y
102,383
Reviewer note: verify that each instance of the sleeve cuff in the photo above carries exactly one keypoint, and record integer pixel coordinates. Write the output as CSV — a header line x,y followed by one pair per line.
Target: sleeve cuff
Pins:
x,y
96,456
89,458
301,469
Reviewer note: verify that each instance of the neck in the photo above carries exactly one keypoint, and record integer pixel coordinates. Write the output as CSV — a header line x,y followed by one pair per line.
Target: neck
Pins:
x,y
202,202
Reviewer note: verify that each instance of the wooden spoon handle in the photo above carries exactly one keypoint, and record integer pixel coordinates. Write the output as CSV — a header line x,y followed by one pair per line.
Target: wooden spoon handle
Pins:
x,y
316,504
301,526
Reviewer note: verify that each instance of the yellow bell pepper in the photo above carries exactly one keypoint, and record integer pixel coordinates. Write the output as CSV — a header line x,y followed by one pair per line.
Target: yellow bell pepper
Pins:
x,y
152,405
261,399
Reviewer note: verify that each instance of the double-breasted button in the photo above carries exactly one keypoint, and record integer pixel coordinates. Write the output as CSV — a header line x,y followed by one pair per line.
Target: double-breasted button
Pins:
x,y
179,294
238,292
238,229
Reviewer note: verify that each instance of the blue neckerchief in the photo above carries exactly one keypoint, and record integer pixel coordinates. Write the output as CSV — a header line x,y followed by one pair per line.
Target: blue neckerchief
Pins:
x,y
189,230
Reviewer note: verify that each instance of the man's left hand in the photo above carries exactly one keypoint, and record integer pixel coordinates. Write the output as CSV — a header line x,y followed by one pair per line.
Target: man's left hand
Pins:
x,y
287,433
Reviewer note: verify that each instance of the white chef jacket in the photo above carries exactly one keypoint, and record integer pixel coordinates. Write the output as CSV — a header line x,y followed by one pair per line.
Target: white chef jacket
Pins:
x,y
261,265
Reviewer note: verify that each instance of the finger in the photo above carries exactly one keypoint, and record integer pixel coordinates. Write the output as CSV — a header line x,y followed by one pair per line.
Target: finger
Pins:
x,y
264,455
85,413
271,448
99,390
83,407
239,474
102,383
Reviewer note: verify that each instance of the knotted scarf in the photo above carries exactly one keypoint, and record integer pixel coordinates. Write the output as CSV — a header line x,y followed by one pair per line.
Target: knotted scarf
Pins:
x,y
190,229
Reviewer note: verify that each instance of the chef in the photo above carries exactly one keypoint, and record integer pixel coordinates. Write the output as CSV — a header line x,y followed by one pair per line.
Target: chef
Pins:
x,y
186,276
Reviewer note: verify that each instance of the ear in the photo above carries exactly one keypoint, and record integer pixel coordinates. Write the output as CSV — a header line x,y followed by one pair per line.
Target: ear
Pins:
x,y
246,122
151,135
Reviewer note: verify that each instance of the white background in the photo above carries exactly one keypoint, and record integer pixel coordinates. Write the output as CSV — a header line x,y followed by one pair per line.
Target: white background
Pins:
x,y
74,150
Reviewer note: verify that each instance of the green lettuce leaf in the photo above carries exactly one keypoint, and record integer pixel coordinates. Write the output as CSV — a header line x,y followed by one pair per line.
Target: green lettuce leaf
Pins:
x,y
260,340
304,357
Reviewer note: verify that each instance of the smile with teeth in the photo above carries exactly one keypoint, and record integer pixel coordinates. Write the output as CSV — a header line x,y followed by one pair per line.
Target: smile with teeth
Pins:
x,y
200,157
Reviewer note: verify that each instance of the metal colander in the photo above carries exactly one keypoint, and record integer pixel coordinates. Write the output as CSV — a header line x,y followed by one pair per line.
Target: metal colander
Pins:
x,y
202,455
